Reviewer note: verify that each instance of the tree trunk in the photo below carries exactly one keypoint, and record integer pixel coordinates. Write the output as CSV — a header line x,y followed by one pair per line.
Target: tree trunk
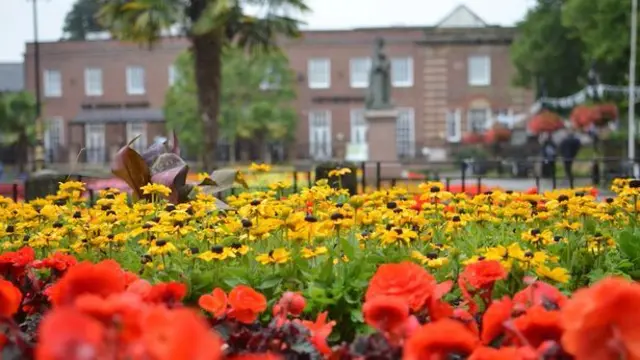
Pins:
x,y
207,52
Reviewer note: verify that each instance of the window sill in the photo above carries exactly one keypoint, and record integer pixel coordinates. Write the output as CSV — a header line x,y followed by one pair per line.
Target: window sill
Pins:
x,y
402,85
319,87
479,84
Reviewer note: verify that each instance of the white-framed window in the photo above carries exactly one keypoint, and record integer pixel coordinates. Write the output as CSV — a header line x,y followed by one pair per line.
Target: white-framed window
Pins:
x,y
478,120
94,143
52,83
402,72
135,80
93,81
359,72
405,133
479,70
454,126
137,129
319,73
53,137
358,127
320,134
173,75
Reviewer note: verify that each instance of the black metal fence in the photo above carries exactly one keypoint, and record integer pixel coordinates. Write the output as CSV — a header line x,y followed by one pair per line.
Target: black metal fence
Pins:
x,y
468,176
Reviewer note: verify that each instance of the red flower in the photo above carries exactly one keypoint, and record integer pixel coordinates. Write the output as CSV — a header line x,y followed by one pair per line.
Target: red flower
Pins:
x,y
320,331
386,313
504,353
267,356
439,340
10,299
169,293
539,293
215,303
494,318
407,281
601,322
291,303
140,287
66,334
537,326
178,334
102,279
121,311
481,276
15,263
465,318
246,304
58,261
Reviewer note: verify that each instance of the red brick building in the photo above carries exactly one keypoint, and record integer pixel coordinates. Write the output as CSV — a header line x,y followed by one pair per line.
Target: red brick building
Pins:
x,y
447,79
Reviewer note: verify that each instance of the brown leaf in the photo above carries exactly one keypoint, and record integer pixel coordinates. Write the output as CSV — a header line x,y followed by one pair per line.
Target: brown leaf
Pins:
x,y
174,178
130,167
166,162
175,147
224,180
153,152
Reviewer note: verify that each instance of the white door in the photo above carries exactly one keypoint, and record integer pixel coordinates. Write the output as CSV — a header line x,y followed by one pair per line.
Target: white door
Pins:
x,y
53,138
94,143
320,134
358,127
137,129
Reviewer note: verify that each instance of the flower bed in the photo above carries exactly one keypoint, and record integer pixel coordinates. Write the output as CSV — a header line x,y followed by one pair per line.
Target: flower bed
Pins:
x,y
319,274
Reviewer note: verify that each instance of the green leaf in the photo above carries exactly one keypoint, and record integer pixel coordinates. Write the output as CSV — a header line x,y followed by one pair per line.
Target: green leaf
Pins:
x,y
270,283
356,315
347,248
630,246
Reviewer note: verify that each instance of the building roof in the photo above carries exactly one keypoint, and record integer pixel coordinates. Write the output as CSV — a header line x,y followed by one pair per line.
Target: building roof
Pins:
x,y
11,77
118,115
461,17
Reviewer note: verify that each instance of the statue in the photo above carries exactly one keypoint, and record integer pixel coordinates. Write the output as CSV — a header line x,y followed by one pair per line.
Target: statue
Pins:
x,y
379,91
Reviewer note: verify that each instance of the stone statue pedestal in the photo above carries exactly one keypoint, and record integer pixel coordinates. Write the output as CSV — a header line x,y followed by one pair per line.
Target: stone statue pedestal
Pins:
x,y
381,140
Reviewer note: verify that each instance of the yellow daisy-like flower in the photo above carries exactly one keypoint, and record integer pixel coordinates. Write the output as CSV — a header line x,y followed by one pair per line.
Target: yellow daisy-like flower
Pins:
x,y
339,172
558,274
71,186
156,189
263,168
161,247
277,256
308,253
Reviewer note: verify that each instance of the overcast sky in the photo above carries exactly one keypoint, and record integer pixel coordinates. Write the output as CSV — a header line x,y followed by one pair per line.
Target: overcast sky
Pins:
x,y
16,22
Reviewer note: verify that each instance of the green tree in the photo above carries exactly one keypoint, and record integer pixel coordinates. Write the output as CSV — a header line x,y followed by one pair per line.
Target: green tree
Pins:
x,y
17,123
604,28
546,50
211,25
81,20
255,101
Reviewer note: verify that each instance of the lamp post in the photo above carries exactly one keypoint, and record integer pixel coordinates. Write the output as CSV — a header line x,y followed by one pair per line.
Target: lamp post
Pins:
x,y
39,151
632,88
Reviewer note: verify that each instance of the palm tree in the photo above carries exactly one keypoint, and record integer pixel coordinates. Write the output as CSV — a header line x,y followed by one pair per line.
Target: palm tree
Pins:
x,y
210,25
17,123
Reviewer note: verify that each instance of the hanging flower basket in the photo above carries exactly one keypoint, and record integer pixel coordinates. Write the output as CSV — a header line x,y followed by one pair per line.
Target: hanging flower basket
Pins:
x,y
583,116
497,134
472,139
545,122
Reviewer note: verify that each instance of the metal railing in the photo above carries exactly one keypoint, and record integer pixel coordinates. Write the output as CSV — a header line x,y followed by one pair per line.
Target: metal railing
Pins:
x,y
467,176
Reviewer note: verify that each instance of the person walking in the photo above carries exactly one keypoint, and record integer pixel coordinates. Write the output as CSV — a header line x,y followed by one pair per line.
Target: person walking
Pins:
x,y
548,157
569,148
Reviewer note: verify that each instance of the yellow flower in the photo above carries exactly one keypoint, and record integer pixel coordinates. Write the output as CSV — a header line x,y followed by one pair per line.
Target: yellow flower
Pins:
x,y
339,172
156,189
277,256
161,247
558,274
217,253
263,168
71,186
311,253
